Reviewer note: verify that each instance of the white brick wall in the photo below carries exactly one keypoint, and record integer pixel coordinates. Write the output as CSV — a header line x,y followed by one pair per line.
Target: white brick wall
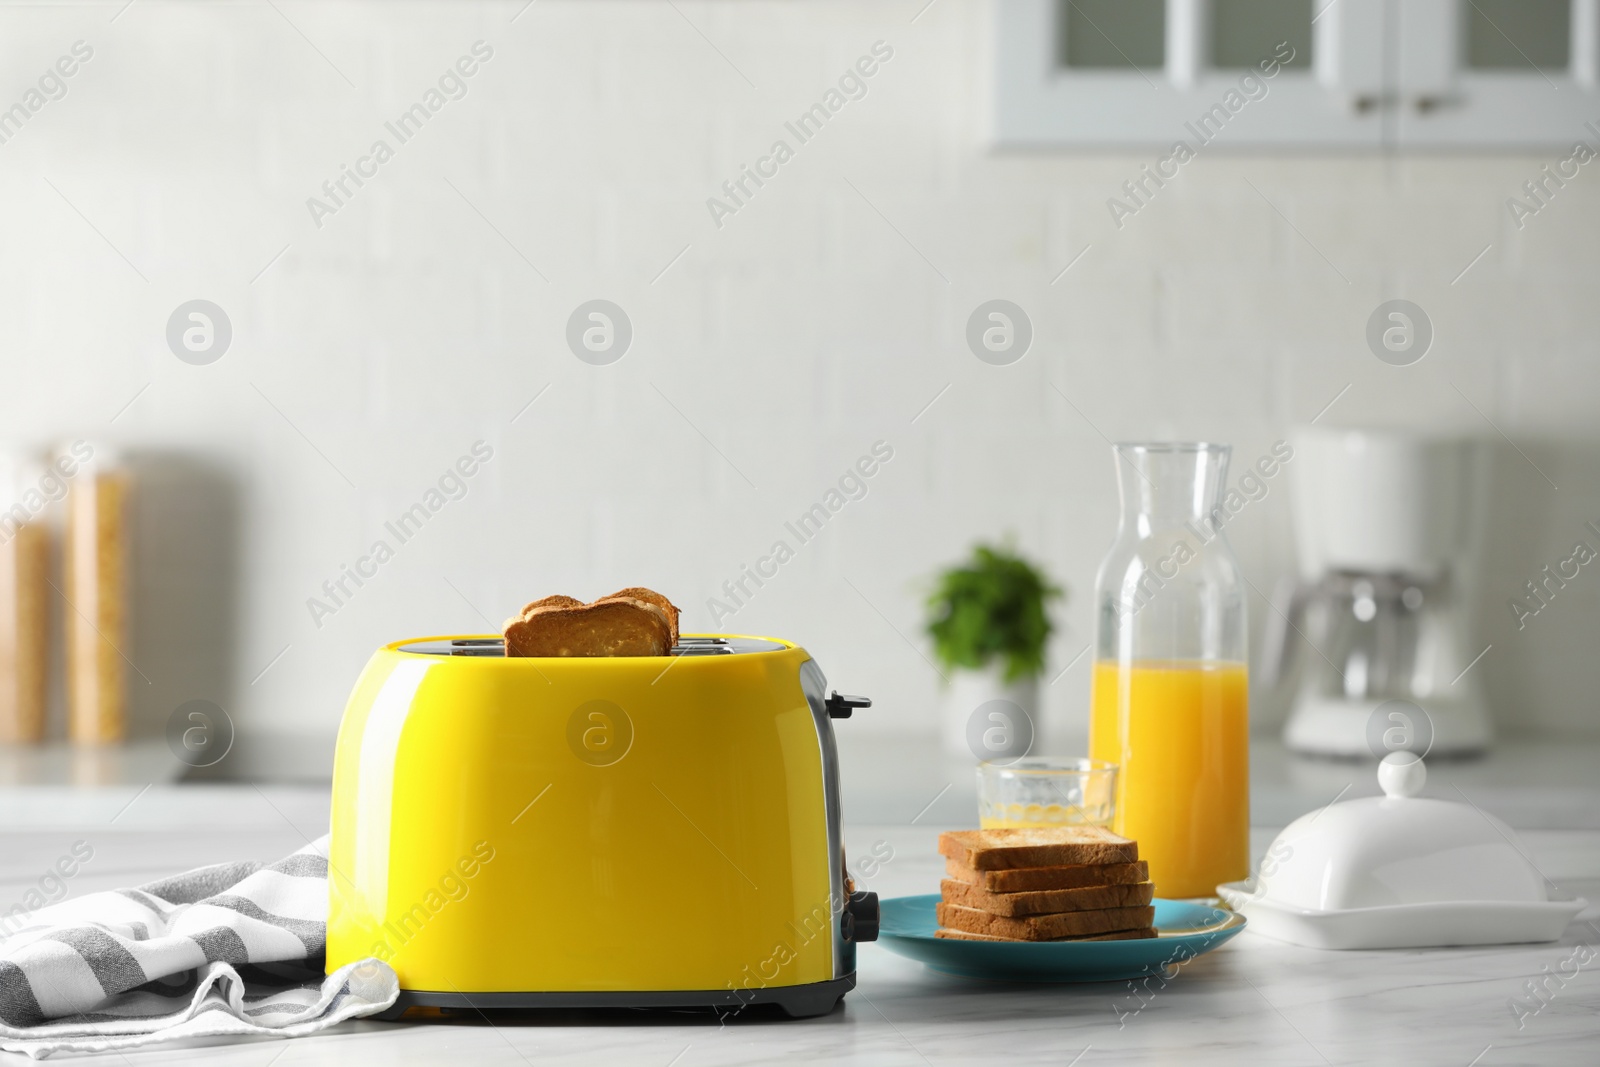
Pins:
x,y
793,337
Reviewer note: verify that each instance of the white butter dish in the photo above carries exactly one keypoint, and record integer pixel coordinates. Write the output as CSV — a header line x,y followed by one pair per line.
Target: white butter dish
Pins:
x,y
1400,871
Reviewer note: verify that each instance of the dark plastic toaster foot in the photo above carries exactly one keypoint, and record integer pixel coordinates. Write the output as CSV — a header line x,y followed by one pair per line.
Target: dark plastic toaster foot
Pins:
x,y
796,1001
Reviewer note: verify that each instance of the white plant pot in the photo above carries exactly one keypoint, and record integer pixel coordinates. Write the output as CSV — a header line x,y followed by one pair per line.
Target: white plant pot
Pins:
x,y
986,717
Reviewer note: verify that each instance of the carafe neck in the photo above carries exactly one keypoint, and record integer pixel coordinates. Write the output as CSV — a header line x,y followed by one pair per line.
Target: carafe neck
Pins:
x,y
1166,484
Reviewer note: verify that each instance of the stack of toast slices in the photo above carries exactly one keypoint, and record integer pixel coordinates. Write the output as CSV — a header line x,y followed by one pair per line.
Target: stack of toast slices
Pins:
x,y
1068,883
630,622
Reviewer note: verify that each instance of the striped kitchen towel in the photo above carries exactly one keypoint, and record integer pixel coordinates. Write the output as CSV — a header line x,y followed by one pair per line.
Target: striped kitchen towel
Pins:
x,y
236,948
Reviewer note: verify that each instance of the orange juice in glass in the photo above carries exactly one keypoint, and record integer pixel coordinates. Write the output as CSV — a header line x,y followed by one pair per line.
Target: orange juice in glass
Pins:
x,y
1045,791
1169,701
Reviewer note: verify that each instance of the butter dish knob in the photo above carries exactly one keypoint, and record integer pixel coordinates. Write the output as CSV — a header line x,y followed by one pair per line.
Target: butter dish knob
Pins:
x,y
1402,774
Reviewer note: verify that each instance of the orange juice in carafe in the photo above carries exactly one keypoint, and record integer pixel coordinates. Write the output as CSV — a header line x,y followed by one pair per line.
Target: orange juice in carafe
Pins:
x,y
1169,700
1180,732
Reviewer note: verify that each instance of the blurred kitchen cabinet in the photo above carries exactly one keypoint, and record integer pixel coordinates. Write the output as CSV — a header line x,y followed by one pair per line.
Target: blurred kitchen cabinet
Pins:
x,y
1286,73
1497,73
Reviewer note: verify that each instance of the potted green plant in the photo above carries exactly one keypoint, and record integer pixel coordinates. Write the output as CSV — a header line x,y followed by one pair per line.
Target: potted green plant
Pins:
x,y
989,621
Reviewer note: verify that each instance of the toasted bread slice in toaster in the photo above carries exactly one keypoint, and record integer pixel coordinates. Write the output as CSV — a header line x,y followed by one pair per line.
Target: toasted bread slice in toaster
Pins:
x,y
621,627
649,596
557,601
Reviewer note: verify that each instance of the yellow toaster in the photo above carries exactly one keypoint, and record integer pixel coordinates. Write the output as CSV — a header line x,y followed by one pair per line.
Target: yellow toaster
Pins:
x,y
595,832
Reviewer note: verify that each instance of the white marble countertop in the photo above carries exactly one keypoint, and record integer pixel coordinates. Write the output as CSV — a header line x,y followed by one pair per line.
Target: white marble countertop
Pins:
x,y
1252,1001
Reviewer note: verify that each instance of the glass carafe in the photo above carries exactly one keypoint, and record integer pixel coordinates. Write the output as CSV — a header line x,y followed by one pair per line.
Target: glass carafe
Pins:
x,y
1170,694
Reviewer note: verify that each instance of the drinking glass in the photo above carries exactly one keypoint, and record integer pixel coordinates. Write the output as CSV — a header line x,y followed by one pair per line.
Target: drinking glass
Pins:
x,y
1046,792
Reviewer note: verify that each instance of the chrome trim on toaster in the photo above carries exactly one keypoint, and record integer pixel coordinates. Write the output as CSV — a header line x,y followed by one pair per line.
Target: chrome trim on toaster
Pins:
x,y
815,686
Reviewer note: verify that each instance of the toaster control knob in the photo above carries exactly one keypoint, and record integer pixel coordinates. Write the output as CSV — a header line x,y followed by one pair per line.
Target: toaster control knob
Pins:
x,y
860,917
840,706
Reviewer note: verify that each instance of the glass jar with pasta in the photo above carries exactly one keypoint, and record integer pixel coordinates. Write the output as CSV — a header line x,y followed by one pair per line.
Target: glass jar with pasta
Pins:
x,y
95,561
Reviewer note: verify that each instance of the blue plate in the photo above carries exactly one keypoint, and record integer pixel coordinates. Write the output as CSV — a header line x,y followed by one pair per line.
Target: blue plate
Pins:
x,y
1186,931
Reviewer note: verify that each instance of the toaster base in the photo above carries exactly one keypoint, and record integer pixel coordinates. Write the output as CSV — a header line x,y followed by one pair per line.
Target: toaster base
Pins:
x,y
796,1001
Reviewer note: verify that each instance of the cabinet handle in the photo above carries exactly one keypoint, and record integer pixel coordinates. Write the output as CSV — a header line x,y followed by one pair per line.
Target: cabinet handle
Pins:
x,y
1366,103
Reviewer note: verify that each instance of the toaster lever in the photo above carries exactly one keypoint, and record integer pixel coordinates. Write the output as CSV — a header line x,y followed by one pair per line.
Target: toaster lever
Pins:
x,y
840,706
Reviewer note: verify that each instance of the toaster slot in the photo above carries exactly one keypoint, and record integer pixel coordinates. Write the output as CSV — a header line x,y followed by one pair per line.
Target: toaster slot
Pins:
x,y
478,646
461,646
702,646
723,646
686,646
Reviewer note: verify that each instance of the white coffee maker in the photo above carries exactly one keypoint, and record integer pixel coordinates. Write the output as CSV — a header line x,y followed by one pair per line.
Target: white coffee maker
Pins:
x,y
1388,525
